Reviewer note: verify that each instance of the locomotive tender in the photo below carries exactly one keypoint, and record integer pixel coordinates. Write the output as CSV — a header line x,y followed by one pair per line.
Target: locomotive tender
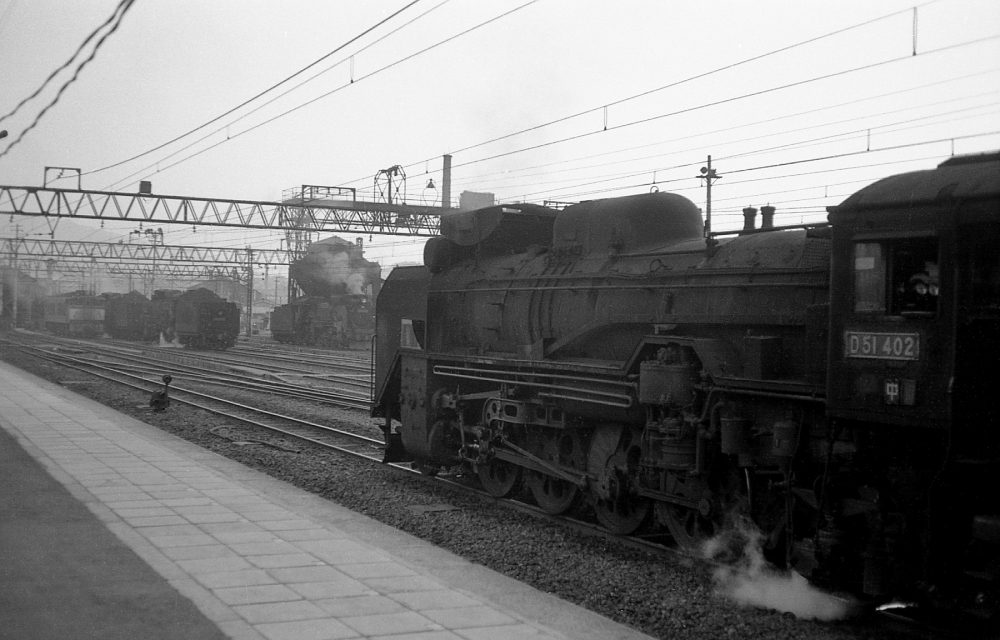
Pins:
x,y
831,383
126,317
197,318
76,314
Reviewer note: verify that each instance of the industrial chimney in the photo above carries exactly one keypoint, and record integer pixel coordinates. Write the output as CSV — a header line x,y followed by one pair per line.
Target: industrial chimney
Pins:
x,y
446,183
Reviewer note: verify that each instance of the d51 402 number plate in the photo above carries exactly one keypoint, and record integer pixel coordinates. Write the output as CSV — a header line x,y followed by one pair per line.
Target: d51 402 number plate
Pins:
x,y
885,346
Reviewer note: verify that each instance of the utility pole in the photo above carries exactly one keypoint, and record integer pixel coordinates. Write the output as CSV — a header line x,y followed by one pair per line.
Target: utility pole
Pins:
x,y
249,290
709,175
14,272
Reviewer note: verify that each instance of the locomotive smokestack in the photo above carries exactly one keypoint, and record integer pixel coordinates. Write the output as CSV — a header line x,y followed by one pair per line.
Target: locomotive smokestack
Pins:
x,y
446,184
767,217
749,219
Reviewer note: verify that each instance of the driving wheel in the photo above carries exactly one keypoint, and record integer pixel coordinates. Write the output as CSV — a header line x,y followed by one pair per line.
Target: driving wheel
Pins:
x,y
687,526
622,512
553,495
500,479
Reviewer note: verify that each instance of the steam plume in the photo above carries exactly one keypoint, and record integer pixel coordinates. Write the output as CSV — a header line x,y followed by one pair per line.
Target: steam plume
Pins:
x,y
749,579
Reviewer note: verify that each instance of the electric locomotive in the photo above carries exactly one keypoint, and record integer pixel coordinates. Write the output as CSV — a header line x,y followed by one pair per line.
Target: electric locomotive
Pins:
x,y
827,382
77,314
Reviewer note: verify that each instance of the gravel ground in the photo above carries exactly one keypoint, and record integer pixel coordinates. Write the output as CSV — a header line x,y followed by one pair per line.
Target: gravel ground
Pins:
x,y
665,598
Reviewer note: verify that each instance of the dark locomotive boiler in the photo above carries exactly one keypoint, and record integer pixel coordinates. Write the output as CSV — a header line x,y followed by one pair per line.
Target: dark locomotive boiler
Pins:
x,y
830,383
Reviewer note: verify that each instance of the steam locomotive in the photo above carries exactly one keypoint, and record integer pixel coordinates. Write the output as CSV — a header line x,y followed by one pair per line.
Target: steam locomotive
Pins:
x,y
198,318
333,321
126,317
832,383
336,311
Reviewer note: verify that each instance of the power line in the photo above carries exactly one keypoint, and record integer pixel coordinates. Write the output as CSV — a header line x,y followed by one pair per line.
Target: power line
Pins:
x,y
119,15
883,128
471,179
715,103
272,87
780,164
115,14
688,79
327,94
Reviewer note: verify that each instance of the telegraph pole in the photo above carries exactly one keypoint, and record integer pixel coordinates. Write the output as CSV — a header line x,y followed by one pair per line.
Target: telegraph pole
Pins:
x,y
249,290
14,274
709,175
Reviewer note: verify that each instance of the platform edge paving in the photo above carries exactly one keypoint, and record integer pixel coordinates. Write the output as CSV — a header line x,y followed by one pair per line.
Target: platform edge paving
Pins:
x,y
543,611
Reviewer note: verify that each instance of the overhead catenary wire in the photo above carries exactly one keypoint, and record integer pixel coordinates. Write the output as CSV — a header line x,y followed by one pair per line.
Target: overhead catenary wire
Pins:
x,y
259,95
842,136
715,103
792,162
784,117
324,95
683,81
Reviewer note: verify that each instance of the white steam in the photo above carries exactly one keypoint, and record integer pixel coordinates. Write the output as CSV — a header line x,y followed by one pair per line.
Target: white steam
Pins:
x,y
335,269
747,578
169,343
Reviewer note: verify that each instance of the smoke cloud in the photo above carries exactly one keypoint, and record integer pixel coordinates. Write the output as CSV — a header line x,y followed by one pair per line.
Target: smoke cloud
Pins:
x,y
747,578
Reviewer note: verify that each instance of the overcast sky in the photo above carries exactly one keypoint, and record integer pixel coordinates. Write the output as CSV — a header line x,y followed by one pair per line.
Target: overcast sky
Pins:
x,y
539,100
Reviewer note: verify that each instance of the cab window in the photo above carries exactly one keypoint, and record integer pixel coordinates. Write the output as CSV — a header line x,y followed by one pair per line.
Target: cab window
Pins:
x,y
898,277
869,277
981,269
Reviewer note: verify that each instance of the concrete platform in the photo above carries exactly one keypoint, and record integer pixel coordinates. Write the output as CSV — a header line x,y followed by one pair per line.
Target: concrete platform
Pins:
x,y
177,542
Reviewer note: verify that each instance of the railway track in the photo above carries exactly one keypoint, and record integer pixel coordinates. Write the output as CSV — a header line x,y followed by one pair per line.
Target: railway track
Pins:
x,y
329,388
275,360
371,450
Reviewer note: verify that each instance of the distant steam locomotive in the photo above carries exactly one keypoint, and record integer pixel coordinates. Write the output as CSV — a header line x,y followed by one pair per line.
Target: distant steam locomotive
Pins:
x,y
198,318
336,311
831,383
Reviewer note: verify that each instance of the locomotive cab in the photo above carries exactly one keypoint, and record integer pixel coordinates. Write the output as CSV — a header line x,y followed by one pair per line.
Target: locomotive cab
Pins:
x,y
914,320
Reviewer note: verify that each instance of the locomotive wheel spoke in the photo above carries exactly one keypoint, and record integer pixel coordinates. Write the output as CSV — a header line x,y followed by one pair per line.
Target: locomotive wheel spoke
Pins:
x,y
621,512
623,516
553,496
688,529
500,479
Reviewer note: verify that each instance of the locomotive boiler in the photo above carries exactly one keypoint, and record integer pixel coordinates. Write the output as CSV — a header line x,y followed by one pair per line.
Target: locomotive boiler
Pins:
x,y
829,383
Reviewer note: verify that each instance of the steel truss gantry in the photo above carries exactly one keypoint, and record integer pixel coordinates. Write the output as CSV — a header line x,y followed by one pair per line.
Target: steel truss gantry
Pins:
x,y
199,271
298,214
64,266
112,252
